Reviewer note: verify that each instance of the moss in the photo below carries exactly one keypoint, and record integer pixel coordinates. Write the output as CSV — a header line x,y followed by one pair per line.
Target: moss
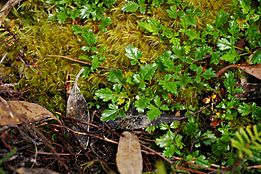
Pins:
x,y
124,31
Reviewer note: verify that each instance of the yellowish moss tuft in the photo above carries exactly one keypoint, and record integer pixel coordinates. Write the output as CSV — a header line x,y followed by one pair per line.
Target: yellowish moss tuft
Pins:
x,y
209,8
125,31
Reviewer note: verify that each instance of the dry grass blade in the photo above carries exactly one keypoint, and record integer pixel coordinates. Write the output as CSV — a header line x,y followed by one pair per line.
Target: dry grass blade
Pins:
x,y
129,158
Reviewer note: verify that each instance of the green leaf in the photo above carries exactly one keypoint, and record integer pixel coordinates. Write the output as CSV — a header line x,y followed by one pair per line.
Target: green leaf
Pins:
x,y
133,53
77,29
172,12
89,37
116,76
245,5
221,19
175,124
108,114
224,44
188,20
130,7
166,59
230,82
106,94
62,16
215,57
86,11
157,101
142,6
208,74
105,22
234,28
95,62
244,109
153,26
112,113
169,86
231,56
137,78
142,103
153,112
256,59
147,71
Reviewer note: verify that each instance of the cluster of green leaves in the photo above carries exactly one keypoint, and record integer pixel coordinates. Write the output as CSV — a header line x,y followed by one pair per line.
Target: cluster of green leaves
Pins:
x,y
176,80
141,5
81,9
93,54
248,143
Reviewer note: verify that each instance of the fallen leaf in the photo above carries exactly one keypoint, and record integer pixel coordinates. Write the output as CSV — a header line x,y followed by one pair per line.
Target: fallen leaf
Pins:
x,y
129,158
254,70
32,112
77,108
23,170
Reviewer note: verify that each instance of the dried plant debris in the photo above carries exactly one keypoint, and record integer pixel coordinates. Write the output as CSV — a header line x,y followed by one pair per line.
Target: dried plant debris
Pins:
x,y
252,91
33,112
34,171
77,108
129,158
138,121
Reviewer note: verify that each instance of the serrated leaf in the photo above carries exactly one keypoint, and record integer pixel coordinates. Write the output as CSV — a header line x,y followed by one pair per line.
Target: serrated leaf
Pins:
x,y
188,20
106,94
86,11
116,76
153,112
153,26
172,12
208,74
157,101
62,16
133,54
224,44
128,157
109,114
147,71
231,56
89,37
233,28
221,18
95,62
169,86
141,104
165,58
130,7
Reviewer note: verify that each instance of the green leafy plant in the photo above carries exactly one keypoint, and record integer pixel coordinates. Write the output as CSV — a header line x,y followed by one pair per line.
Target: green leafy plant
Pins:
x,y
80,9
248,142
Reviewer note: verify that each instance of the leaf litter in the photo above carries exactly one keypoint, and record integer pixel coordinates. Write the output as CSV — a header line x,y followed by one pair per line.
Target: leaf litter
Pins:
x,y
77,108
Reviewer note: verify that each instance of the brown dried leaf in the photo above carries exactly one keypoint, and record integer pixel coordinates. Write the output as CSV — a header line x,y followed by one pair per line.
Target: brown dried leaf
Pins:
x,y
77,108
129,158
254,70
32,112
34,171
